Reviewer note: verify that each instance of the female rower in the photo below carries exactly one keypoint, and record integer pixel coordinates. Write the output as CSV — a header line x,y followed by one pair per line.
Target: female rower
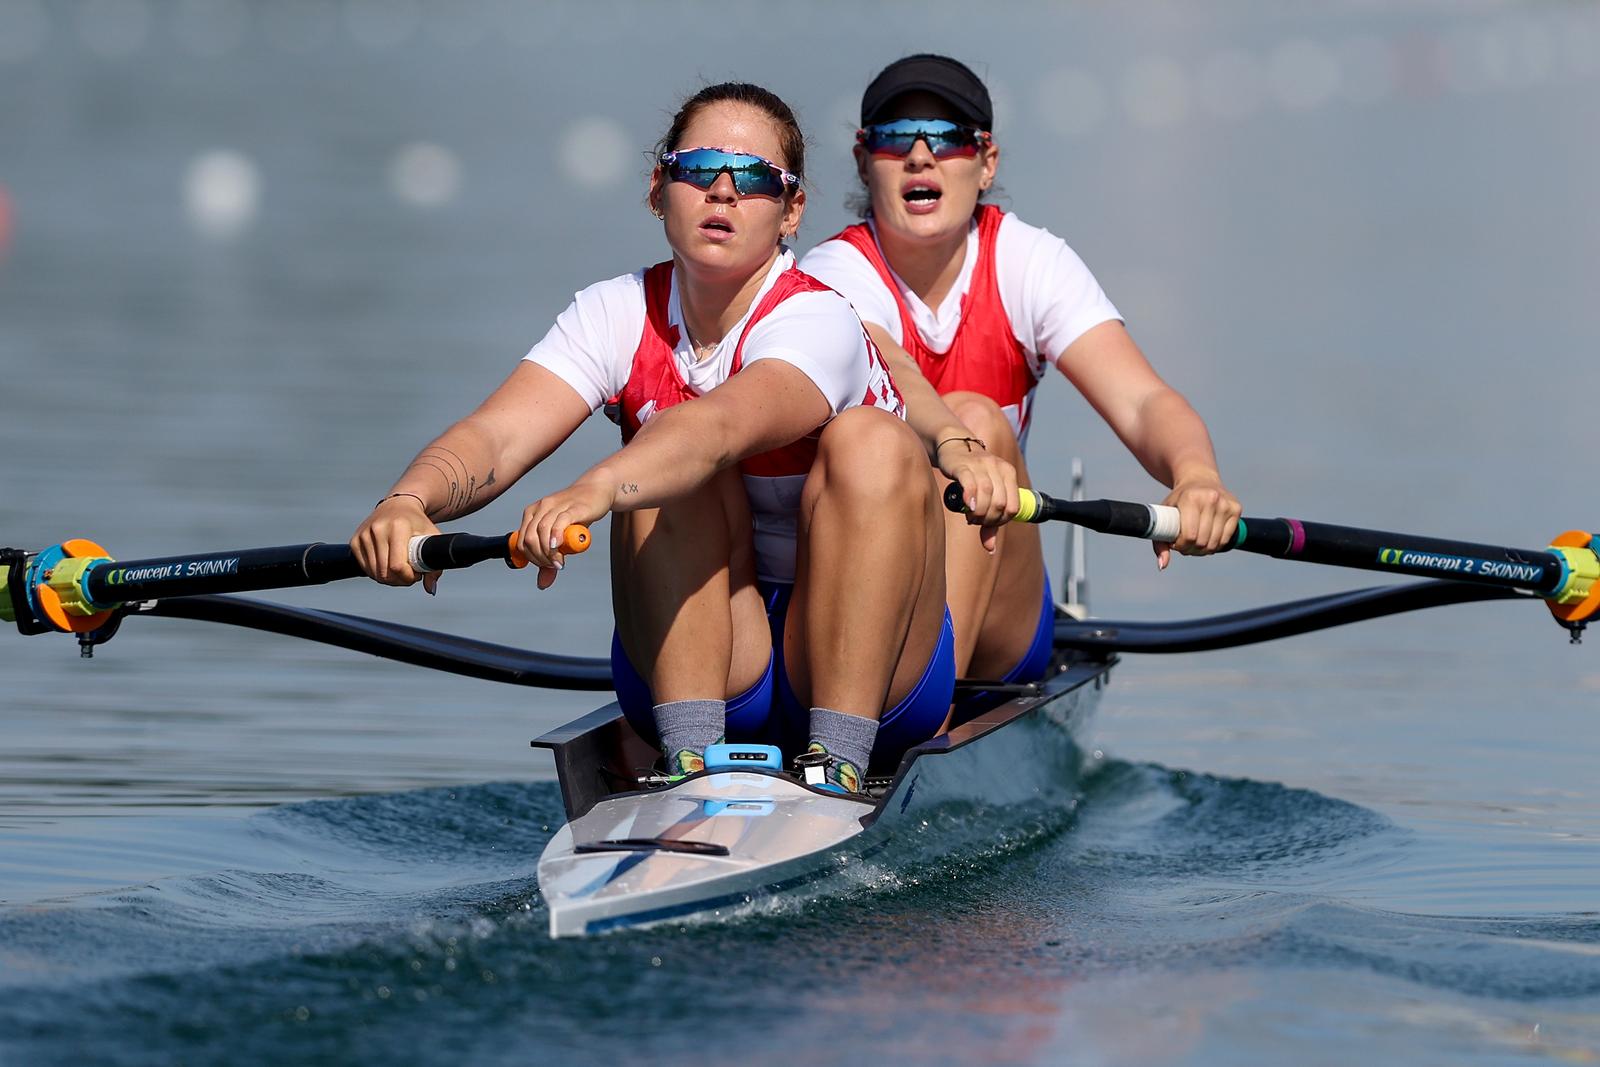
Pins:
x,y
982,303
777,549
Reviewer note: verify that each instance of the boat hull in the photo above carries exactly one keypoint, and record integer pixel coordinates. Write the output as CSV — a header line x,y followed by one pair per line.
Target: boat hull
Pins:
x,y
755,834
724,838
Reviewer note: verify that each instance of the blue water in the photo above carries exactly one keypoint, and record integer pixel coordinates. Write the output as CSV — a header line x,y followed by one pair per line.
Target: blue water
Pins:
x,y
1361,239
1178,916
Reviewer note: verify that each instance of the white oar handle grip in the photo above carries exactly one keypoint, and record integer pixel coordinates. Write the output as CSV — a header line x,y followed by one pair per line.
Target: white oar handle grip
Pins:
x,y
1165,523
414,554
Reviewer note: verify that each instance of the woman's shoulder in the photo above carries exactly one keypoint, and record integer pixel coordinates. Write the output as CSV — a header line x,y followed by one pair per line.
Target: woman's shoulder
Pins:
x,y
1017,232
621,289
812,316
843,266
816,299
1031,248
838,249
606,317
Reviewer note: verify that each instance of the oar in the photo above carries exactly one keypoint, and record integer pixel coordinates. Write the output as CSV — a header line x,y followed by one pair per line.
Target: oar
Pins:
x,y
503,663
76,587
1566,574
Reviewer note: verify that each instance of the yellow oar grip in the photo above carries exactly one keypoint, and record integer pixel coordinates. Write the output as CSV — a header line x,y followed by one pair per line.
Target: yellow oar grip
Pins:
x,y
1027,505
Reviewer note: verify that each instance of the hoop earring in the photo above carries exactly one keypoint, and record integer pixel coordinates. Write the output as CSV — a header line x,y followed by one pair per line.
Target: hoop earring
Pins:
x,y
660,217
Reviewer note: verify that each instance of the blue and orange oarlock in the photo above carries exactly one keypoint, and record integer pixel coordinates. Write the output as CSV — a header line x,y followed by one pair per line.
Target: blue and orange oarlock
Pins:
x,y
1578,599
46,591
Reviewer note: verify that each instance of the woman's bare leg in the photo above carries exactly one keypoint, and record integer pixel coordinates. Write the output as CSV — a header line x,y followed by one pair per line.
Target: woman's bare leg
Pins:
x,y
994,600
868,602
683,587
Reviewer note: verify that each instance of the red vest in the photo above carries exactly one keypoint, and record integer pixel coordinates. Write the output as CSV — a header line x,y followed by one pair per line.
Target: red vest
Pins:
x,y
985,356
655,384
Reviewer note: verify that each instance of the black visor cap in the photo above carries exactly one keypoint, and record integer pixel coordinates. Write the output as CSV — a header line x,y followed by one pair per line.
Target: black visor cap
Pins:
x,y
946,78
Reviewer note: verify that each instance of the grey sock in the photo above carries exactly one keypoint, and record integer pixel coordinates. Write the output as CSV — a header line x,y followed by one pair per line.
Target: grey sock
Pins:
x,y
686,727
848,739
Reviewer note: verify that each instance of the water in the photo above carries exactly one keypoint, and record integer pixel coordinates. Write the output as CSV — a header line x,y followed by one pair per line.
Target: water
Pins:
x,y
1360,239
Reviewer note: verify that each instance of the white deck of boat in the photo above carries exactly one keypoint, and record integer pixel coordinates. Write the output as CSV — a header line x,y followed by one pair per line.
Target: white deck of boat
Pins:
x,y
766,828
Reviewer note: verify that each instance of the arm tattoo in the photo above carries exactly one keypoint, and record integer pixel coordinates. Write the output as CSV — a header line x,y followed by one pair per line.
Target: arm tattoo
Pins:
x,y
628,488
461,485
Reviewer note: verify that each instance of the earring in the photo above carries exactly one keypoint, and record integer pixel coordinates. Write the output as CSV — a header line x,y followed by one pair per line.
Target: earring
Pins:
x,y
657,213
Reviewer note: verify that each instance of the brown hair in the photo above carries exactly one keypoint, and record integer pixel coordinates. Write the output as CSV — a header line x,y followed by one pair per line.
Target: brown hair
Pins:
x,y
790,137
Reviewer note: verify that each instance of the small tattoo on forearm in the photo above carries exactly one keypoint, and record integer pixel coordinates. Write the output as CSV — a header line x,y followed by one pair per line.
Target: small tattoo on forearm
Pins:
x,y
628,488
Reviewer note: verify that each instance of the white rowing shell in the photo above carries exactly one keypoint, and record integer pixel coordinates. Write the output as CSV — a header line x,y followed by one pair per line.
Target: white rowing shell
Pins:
x,y
723,838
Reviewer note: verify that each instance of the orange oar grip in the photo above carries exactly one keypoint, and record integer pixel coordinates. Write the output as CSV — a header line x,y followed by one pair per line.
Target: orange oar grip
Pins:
x,y
574,539
514,557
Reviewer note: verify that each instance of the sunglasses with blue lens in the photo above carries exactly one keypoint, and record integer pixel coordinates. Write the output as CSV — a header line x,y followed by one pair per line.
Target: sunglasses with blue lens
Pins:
x,y
946,140
752,175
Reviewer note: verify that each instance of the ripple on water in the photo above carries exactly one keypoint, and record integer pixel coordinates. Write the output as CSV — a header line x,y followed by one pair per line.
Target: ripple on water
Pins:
x,y
408,927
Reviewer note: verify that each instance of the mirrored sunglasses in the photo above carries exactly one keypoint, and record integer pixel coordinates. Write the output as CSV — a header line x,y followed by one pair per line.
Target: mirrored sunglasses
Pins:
x,y
752,175
944,139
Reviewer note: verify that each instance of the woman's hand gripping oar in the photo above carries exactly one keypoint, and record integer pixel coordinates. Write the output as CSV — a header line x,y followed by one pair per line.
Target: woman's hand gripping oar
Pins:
x,y
546,537
388,545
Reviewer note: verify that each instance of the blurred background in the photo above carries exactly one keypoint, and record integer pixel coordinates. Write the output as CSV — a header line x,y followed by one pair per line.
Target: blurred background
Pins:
x,y
257,253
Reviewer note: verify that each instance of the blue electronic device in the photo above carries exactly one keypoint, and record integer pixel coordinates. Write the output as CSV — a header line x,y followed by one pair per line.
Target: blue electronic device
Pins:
x,y
744,757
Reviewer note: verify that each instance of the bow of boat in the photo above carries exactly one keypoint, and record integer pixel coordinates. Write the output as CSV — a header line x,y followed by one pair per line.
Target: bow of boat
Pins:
x,y
716,839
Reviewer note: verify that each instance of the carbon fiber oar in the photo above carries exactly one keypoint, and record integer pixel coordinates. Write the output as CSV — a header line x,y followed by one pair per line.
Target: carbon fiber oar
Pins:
x,y
76,587
1566,574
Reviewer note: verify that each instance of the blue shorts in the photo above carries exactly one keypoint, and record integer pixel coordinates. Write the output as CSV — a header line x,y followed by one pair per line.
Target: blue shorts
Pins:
x,y
1030,668
770,713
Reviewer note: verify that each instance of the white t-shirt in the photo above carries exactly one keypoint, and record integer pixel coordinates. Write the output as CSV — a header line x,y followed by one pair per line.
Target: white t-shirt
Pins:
x,y
1050,297
592,345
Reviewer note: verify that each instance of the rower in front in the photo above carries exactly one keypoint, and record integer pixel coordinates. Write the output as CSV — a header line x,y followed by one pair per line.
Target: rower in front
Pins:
x,y
967,300
778,544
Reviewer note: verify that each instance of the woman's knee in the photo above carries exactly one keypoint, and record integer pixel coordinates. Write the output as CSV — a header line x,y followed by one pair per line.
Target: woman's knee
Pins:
x,y
868,451
985,419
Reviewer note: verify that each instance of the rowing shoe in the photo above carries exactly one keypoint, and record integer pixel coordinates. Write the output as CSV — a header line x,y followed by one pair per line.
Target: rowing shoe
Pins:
x,y
1566,574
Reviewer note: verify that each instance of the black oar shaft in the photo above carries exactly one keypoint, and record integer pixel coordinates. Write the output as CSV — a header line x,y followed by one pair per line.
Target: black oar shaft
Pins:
x,y
1531,570
282,567
1396,553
